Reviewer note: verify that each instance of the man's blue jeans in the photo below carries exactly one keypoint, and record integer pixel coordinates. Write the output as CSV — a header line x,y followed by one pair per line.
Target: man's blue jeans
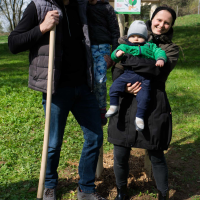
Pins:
x,y
84,106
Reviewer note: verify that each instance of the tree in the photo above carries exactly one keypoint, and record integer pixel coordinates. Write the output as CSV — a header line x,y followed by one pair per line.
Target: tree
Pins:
x,y
144,15
1,27
12,11
183,6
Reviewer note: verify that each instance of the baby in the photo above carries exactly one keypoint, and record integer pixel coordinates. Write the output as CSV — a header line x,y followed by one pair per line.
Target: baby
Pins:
x,y
136,45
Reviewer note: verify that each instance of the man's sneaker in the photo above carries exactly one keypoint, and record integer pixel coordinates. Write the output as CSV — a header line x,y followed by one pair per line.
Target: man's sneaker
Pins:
x,y
49,194
91,196
139,124
112,111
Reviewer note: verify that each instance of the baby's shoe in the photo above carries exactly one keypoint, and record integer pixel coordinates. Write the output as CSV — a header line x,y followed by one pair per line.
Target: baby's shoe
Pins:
x,y
139,124
112,111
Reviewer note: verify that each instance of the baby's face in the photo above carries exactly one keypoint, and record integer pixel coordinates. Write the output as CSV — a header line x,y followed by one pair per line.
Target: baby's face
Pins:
x,y
136,39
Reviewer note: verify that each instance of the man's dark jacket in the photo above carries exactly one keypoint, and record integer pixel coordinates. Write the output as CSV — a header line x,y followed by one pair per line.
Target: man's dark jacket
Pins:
x,y
39,49
103,24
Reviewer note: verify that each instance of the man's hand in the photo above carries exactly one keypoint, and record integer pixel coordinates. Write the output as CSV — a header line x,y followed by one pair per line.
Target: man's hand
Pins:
x,y
133,89
51,20
160,63
119,53
109,61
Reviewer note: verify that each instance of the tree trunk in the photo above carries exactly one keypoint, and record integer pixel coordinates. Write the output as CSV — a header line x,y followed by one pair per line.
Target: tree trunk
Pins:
x,y
126,24
153,7
121,24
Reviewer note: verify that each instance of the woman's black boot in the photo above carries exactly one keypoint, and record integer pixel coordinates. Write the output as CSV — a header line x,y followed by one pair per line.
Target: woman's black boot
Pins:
x,y
160,196
121,193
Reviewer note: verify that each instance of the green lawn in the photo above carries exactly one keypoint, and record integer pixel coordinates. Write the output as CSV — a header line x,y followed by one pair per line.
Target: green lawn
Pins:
x,y
3,38
22,120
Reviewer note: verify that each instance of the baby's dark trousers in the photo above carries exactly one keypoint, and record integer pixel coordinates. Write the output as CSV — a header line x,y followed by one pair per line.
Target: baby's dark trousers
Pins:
x,y
143,96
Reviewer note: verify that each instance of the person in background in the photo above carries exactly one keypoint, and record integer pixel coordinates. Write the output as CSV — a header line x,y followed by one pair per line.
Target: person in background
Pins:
x,y
104,32
157,132
72,83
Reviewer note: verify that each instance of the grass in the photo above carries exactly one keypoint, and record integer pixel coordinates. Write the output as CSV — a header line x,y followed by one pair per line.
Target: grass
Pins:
x,y
22,122
188,20
3,39
183,83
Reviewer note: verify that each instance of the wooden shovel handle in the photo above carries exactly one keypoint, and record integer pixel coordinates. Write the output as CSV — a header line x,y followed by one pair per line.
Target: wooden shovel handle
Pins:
x,y
48,114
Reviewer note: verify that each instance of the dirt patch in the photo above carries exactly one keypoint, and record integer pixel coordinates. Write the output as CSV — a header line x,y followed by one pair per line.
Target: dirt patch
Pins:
x,y
184,177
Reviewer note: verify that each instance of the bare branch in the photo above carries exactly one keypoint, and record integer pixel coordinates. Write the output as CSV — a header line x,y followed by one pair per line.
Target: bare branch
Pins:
x,y
12,10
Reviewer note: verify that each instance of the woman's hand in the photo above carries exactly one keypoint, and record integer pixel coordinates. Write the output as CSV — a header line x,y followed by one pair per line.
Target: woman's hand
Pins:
x,y
133,89
109,61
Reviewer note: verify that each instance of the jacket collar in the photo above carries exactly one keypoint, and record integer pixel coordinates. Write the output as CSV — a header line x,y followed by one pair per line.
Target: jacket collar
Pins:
x,y
122,40
134,44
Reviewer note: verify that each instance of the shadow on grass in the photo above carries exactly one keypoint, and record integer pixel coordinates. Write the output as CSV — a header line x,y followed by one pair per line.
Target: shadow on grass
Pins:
x,y
27,190
183,163
181,33
187,38
183,101
14,75
4,50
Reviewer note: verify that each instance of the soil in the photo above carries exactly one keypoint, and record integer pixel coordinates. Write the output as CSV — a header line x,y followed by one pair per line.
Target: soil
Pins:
x,y
184,177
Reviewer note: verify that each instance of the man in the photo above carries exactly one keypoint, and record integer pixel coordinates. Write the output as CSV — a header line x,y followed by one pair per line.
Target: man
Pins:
x,y
72,82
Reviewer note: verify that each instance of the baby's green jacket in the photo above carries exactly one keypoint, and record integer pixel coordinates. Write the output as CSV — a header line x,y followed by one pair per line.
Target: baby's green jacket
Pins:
x,y
148,50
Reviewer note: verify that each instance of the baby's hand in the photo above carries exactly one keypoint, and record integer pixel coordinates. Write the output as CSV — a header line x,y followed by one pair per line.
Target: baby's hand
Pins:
x,y
160,63
119,53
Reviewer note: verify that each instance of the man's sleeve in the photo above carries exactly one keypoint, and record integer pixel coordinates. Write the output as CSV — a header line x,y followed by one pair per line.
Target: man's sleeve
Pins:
x,y
113,27
27,32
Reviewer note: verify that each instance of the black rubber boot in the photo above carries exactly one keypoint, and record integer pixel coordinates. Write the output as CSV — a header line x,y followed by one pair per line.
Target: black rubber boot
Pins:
x,y
160,197
122,193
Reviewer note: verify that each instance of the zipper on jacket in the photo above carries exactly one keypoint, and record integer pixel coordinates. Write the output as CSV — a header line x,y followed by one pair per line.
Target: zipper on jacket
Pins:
x,y
139,49
67,21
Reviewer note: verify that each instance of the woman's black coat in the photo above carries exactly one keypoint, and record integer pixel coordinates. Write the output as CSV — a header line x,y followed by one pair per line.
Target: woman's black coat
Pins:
x,y
158,120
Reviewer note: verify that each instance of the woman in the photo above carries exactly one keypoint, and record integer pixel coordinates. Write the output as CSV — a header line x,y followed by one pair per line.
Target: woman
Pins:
x,y
157,134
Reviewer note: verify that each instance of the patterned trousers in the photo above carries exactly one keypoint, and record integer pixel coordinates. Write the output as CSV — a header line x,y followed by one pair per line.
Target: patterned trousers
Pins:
x,y
100,69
